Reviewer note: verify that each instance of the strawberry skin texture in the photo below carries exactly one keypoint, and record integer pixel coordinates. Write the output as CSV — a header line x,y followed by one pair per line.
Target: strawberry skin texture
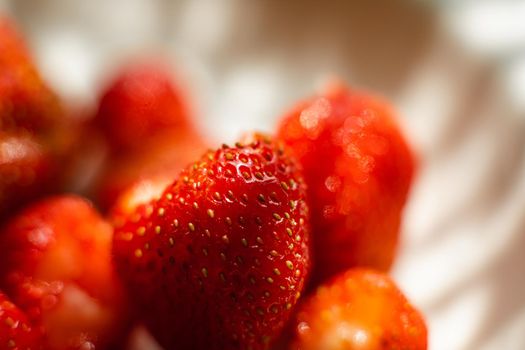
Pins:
x,y
16,333
55,264
358,169
360,309
221,258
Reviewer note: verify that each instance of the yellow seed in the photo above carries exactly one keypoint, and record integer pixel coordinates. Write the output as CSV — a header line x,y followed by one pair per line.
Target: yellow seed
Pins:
x,y
289,231
195,205
176,223
207,232
289,264
157,229
204,272
274,253
284,185
269,279
288,306
225,239
172,242
259,240
161,211
138,253
259,176
211,213
228,220
217,196
276,216
169,196
223,256
244,242
191,227
297,273
277,272
286,215
229,156
298,238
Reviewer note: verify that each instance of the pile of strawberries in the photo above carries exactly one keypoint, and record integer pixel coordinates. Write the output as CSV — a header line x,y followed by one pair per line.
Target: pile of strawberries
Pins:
x,y
276,242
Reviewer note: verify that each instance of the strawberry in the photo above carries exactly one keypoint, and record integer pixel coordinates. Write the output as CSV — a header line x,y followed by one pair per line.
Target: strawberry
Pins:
x,y
140,105
360,309
34,135
15,330
226,246
145,122
55,264
358,169
160,158
25,100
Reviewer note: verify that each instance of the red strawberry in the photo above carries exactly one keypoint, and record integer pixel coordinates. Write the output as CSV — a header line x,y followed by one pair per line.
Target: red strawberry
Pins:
x,y
15,330
34,136
146,124
160,158
25,100
358,169
226,246
55,263
360,309
140,105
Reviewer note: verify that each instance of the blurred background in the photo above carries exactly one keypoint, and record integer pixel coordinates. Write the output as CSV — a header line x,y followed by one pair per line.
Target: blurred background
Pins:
x,y
455,70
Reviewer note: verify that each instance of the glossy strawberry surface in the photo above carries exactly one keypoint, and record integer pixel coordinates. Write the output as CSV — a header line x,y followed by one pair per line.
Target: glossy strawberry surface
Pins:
x,y
359,310
358,169
219,261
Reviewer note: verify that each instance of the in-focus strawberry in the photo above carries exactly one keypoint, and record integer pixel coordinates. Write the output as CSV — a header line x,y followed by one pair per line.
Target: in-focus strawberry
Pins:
x,y
359,310
219,261
358,169
16,332
55,264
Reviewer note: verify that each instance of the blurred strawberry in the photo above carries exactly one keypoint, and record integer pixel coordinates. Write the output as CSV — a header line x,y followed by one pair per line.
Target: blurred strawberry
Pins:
x,y
160,158
34,135
227,247
140,105
358,169
359,310
15,330
25,100
55,264
146,123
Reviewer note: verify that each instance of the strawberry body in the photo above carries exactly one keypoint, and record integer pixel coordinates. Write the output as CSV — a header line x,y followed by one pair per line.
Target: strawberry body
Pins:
x,y
141,104
25,100
34,137
55,264
359,310
226,246
358,169
15,330
145,124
